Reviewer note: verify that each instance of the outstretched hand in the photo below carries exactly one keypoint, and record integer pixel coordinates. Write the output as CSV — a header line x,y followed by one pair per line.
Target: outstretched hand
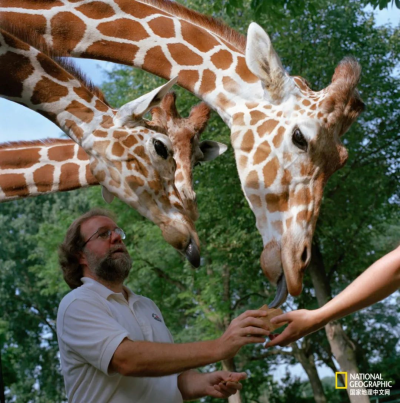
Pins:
x,y
301,323
223,384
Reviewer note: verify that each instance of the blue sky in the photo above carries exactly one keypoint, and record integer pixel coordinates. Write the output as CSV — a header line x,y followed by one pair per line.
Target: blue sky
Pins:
x,y
19,123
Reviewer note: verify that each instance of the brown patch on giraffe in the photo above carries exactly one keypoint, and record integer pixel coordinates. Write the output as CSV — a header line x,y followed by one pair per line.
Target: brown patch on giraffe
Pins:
x,y
81,111
278,225
248,141
84,94
277,140
277,202
306,169
301,197
44,178
100,133
256,116
130,141
68,176
22,159
244,72
60,153
81,155
230,85
134,182
111,51
52,69
198,37
100,175
107,122
96,10
252,180
101,146
286,178
251,105
76,130
262,153
90,179
179,177
117,149
313,107
48,115
267,127
267,107
242,162
184,56
235,135
100,106
124,29
155,185
270,171
222,59
15,42
155,61
255,201
115,176
138,10
208,83
279,114
301,84
29,5
306,102
14,185
47,91
11,79
224,102
117,134
118,165
67,30
289,222
301,216
188,78
163,27
238,119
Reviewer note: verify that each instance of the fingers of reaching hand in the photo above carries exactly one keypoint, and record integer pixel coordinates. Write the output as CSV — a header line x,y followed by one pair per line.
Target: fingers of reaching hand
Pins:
x,y
254,313
228,388
251,321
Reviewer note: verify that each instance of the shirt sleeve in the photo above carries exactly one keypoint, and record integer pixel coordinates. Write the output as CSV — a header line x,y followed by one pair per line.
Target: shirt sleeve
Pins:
x,y
91,332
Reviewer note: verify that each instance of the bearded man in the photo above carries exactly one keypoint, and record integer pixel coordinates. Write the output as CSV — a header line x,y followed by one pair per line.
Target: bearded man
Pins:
x,y
114,344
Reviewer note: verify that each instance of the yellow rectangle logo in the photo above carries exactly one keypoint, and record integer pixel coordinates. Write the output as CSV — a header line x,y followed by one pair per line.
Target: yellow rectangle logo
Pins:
x,y
345,380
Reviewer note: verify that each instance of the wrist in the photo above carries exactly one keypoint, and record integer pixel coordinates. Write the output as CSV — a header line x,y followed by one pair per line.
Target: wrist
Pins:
x,y
217,349
320,317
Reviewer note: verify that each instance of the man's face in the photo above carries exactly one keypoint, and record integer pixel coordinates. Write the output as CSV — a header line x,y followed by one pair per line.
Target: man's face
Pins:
x,y
105,257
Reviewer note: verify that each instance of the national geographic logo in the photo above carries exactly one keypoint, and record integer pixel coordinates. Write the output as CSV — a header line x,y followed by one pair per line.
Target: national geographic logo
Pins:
x,y
363,384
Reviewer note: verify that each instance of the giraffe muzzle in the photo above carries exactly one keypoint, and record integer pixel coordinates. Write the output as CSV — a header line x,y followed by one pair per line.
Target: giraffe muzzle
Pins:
x,y
192,253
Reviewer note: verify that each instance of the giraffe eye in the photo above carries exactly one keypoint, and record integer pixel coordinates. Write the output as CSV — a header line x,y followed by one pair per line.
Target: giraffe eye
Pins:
x,y
299,140
160,148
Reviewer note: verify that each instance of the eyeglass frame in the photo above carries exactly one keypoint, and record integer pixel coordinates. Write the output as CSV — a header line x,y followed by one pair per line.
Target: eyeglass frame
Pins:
x,y
117,230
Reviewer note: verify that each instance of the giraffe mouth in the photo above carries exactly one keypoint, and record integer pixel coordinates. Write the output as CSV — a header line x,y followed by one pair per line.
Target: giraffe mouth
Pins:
x,y
281,293
192,253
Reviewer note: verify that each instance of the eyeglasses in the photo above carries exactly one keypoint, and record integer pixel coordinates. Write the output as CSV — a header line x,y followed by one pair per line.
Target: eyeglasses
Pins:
x,y
105,234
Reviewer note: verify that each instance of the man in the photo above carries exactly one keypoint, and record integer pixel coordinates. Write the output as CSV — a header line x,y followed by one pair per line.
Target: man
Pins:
x,y
114,344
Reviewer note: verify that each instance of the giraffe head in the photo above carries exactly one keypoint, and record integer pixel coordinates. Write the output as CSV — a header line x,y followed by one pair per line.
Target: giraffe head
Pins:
x,y
287,144
129,160
189,151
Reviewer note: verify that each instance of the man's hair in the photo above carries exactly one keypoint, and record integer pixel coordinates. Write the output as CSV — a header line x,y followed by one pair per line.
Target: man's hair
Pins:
x,y
68,251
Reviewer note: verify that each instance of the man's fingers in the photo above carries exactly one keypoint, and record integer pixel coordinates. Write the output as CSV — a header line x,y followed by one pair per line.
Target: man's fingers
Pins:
x,y
253,313
237,376
250,321
280,319
251,330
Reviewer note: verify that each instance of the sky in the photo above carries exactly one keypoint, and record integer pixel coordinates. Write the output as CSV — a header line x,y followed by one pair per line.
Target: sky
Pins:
x,y
19,123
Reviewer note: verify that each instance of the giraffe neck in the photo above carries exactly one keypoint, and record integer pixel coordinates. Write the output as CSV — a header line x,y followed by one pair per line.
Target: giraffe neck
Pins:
x,y
161,38
45,166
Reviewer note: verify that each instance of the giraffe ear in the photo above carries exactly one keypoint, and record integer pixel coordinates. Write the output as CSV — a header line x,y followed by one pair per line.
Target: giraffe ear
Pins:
x,y
263,62
132,112
107,195
211,150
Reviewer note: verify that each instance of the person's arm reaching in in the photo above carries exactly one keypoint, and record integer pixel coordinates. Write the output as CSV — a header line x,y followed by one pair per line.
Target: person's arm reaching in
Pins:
x,y
376,283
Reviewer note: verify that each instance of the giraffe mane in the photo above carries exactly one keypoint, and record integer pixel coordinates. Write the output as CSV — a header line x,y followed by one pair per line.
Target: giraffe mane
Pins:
x,y
219,28
32,38
34,143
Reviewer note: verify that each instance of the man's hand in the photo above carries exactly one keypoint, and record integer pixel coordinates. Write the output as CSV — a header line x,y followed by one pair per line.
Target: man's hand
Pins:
x,y
224,384
245,329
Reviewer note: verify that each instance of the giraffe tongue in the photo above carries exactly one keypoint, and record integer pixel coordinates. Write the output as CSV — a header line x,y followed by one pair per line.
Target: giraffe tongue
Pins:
x,y
281,293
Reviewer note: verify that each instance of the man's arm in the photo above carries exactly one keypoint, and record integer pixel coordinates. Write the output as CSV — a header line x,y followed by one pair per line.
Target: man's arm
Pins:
x,y
143,358
377,282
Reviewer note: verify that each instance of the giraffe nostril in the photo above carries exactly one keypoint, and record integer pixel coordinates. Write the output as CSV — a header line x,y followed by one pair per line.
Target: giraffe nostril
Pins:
x,y
304,255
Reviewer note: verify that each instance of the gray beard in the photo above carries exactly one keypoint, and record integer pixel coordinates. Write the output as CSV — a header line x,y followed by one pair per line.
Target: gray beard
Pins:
x,y
112,269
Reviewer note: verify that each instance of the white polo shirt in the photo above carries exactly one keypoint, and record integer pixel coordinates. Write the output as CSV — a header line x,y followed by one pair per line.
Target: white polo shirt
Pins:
x,y
92,321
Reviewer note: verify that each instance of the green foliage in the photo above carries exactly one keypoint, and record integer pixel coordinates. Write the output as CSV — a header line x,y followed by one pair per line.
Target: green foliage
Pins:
x,y
358,221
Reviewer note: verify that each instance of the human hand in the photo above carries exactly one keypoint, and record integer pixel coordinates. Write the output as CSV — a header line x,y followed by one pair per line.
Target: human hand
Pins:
x,y
223,384
245,329
301,323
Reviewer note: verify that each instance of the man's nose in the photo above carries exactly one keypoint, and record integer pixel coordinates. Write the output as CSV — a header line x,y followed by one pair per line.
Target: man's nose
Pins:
x,y
115,237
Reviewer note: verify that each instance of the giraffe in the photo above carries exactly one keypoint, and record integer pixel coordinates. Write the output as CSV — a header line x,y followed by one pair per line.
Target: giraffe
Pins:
x,y
129,161
286,137
33,168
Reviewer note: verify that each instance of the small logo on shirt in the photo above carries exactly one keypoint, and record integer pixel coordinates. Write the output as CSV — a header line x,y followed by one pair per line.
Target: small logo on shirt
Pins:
x,y
156,317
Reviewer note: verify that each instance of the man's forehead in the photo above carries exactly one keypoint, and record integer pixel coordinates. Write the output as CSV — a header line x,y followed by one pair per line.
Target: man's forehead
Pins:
x,y
92,224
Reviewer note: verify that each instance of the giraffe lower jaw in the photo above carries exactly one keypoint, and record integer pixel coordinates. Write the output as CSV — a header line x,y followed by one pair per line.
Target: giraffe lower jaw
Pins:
x,y
281,293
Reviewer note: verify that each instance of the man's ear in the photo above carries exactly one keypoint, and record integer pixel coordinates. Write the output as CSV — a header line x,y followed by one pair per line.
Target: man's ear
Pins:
x,y
82,259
